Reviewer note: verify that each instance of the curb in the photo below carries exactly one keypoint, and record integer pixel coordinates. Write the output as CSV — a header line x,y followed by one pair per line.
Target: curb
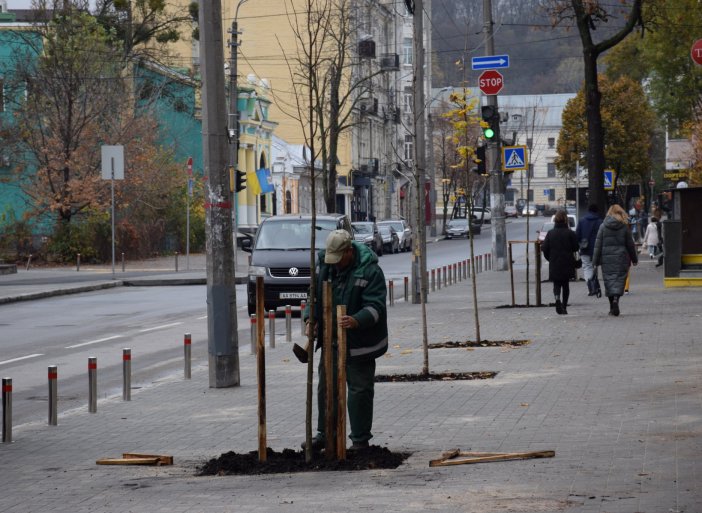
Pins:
x,y
59,292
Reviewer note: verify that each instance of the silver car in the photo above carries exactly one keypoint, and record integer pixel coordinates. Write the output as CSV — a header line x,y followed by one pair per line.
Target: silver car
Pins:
x,y
403,232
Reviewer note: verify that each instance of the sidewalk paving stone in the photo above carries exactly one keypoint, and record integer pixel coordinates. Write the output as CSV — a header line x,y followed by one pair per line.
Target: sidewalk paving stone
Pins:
x,y
618,399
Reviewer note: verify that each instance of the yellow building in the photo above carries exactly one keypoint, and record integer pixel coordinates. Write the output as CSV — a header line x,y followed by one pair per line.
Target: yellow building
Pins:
x,y
266,54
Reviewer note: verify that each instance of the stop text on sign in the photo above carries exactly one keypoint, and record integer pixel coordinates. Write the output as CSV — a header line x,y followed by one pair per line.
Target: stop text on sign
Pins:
x,y
490,82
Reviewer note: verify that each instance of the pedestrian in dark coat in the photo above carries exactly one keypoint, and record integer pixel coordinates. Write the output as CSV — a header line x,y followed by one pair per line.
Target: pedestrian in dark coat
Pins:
x,y
559,247
615,251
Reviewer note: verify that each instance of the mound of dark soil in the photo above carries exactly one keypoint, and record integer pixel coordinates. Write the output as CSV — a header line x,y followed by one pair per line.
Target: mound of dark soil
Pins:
x,y
231,463
482,343
441,376
542,305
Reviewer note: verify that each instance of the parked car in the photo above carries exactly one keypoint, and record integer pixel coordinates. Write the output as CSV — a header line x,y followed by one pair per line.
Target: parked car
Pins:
x,y
482,213
403,232
280,252
531,210
572,221
391,242
367,233
541,233
511,211
459,228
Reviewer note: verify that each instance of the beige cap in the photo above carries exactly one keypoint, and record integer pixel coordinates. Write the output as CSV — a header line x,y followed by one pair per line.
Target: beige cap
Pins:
x,y
337,242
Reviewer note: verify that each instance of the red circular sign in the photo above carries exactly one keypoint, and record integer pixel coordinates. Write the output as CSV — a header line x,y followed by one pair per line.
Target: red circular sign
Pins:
x,y
696,52
490,82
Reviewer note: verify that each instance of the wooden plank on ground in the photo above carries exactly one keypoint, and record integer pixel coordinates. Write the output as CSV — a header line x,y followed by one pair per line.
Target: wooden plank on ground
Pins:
x,y
137,459
457,457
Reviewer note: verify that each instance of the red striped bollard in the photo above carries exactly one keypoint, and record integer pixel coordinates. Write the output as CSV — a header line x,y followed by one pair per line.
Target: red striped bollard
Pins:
x,y
187,355
406,281
391,292
53,395
92,384
253,333
459,271
126,374
438,278
433,280
303,305
455,273
445,277
288,323
271,328
6,410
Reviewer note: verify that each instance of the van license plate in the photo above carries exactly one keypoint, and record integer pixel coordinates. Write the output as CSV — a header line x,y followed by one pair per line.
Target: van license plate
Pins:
x,y
293,295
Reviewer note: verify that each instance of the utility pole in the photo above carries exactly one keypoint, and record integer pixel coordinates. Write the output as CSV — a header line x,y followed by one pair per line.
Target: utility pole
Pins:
x,y
222,338
419,259
497,194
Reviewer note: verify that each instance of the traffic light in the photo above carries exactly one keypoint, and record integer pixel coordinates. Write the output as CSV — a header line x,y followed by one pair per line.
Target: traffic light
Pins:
x,y
480,155
240,181
492,117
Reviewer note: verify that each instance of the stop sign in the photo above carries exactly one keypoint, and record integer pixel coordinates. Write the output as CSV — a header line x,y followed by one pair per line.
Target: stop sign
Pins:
x,y
696,52
490,82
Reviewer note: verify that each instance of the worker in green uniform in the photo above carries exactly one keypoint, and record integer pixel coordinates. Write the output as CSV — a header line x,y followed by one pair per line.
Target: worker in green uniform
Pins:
x,y
359,283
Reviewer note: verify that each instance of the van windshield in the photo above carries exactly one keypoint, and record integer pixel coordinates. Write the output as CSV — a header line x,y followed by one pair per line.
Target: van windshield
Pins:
x,y
293,234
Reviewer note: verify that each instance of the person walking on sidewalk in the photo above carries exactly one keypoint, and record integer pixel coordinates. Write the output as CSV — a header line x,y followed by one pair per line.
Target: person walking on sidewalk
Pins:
x,y
651,239
359,283
615,251
586,233
559,247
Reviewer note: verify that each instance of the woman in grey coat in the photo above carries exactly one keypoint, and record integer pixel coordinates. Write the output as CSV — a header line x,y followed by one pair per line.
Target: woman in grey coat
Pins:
x,y
615,252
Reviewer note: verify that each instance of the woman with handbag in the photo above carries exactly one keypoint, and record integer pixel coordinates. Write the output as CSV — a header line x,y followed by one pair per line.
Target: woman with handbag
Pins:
x,y
615,251
559,248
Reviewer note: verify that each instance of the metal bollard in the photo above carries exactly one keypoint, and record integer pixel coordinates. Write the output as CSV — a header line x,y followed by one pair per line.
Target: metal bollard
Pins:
x,y
455,273
406,280
187,354
92,384
445,277
77,262
253,334
438,278
29,261
53,395
465,269
122,262
126,374
433,280
459,271
288,323
391,292
469,268
176,261
271,329
6,410
303,305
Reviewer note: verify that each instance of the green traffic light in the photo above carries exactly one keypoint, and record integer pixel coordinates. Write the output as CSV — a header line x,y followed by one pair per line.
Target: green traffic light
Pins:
x,y
489,133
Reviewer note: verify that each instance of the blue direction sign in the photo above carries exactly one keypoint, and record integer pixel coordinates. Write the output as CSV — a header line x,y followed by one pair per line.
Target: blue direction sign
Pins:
x,y
609,179
490,62
514,158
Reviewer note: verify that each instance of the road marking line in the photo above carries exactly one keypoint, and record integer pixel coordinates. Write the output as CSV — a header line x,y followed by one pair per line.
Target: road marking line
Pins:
x,y
203,317
94,341
21,358
161,327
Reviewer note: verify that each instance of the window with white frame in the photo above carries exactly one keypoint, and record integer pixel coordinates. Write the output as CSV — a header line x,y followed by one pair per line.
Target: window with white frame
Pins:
x,y
552,194
530,195
551,170
551,142
407,100
409,147
407,51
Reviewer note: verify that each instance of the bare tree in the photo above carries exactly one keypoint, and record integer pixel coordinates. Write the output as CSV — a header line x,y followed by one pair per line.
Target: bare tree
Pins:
x,y
588,16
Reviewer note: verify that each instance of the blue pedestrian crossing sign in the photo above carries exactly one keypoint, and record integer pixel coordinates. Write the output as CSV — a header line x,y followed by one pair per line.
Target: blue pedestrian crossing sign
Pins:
x,y
609,179
514,158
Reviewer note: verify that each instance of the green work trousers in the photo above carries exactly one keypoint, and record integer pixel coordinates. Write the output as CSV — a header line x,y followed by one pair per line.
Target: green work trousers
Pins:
x,y
360,387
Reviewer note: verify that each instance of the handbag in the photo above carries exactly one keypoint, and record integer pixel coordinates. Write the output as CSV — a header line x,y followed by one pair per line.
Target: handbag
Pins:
x,y
578,260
